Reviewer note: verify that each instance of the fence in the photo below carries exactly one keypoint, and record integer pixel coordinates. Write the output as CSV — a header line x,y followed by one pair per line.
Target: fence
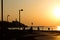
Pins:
x,y
32,28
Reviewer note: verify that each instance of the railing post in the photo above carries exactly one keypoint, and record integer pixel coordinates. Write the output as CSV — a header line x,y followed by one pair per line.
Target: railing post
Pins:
x,y
48,29
38,28
23,28
31,29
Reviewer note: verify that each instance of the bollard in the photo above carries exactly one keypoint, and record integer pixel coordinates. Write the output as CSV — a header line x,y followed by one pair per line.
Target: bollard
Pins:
x,y
48,29
38,28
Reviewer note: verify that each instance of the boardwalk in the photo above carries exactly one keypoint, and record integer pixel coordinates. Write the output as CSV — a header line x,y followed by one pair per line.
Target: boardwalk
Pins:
x,y
32,35
44,36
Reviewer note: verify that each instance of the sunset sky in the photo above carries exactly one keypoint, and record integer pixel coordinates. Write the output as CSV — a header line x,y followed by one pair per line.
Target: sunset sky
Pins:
x,y
40,12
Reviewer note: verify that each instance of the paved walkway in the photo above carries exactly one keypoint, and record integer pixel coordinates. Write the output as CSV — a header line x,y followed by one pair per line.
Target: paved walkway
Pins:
x,y
44,36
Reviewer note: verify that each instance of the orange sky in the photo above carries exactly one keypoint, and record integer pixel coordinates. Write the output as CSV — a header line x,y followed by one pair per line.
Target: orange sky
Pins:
x,y
40,12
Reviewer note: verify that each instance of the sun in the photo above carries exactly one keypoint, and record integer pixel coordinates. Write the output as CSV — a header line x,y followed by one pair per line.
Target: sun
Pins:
x,y
58,28
57,12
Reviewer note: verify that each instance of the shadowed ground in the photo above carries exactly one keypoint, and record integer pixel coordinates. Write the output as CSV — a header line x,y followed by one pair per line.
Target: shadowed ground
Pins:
x,y
31,35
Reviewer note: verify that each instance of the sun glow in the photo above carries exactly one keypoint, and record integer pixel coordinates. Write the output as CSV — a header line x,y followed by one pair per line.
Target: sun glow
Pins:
x,y
57,12
58,28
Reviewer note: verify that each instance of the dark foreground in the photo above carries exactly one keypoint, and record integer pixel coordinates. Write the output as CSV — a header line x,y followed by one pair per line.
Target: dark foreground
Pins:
x,y
31,35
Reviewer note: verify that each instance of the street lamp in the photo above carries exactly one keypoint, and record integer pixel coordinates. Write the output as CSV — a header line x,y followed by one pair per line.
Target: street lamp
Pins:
x,y
19,14
1,10
7,17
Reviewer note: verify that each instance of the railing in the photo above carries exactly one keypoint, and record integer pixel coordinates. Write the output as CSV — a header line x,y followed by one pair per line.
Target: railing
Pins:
x,y
32,28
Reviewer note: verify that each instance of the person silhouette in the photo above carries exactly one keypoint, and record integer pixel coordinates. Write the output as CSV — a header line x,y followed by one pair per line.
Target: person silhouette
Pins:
x,y
48,28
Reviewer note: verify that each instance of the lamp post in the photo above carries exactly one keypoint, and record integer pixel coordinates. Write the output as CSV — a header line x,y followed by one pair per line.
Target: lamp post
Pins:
x,y
19,14
1,10
7,17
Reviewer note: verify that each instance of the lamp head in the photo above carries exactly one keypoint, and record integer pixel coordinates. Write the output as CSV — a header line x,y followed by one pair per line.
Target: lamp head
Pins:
x,y
21,10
